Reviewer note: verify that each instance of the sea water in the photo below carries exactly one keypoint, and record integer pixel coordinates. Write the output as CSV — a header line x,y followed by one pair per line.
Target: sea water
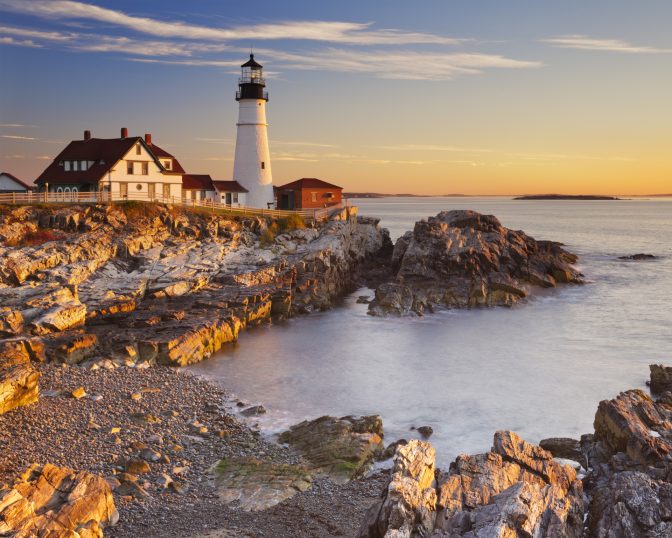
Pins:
x,y
539,368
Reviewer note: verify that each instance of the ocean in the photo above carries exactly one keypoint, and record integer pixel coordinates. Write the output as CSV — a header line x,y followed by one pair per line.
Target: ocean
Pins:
x,y
539,368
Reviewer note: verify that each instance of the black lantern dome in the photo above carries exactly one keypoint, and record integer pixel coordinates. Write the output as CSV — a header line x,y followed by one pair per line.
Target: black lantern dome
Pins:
x,y
251,83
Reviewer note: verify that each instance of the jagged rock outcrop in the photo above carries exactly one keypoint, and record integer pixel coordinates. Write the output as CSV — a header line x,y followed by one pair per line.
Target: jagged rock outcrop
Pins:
x,y
661,378
630,477
461,259
18,379
56,501
517,489
180,283
342,447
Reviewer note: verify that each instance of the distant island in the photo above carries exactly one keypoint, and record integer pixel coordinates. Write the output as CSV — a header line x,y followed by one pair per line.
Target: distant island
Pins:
x,y
565,197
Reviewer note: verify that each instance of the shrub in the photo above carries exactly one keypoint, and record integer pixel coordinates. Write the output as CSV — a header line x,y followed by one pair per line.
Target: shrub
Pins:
x,y
293,222
267,237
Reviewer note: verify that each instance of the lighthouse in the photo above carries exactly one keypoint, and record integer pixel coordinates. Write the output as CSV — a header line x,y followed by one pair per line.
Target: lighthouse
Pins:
x,y
252,161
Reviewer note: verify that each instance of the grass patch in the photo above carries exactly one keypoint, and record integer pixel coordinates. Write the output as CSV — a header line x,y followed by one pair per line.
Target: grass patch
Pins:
x,y
293,222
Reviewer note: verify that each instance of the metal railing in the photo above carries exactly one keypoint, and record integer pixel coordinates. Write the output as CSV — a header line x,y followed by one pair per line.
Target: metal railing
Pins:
x,y
30,198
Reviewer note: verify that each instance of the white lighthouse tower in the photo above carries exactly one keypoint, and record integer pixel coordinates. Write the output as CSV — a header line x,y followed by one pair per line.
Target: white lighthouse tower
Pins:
x,y
252,162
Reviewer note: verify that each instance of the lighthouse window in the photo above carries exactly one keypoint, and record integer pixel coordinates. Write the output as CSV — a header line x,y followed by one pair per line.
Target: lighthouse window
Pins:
x,y
313,196
263,165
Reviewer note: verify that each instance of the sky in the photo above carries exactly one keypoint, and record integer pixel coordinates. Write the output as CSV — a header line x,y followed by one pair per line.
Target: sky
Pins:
x,y
426,97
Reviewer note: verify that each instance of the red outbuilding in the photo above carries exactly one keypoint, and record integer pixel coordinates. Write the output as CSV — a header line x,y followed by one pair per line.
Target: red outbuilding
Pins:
x,y
308,193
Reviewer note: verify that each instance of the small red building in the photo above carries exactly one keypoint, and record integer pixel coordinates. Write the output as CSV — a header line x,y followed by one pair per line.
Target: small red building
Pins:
x,y
308,193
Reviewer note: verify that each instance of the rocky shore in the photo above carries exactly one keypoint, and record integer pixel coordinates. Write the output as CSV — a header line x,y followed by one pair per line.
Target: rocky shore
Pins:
x,y
99,437
91,297
615,482
463,259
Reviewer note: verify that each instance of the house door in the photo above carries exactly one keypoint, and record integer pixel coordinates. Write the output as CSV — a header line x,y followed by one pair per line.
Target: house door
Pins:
x,y
228,198
166,191
123,190
287,201
151,191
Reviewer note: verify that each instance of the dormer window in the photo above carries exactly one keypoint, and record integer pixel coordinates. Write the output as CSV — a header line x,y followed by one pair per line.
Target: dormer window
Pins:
x,y
66,166
167,164
75,166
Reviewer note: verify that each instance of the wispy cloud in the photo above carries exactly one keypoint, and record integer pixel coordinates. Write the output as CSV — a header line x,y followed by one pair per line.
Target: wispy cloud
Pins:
x,y
301,143
37,34
6,40
583,42
329,31
404,64
434,147
18,137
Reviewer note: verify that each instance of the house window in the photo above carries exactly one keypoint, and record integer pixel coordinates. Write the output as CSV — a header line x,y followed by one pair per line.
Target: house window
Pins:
x,y
66,166
129,168
138,149
234,197
313,197
263,165
75,166
193,195
145,168
167,164
83,166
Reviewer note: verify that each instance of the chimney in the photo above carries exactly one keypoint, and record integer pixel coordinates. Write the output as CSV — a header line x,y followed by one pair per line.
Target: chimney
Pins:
x,y
148,139
124,132
87,135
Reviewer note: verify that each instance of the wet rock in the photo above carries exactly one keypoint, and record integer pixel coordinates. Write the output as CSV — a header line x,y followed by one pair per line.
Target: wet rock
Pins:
x,y
391,449
638,257
425,431
56,501
253,411
340,447
564,447
661,378
258,485
461,259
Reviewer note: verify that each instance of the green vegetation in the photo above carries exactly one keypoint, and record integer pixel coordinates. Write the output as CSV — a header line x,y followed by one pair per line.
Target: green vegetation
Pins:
x,y
293,222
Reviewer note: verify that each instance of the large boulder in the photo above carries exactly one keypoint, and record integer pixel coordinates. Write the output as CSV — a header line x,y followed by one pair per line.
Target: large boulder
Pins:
x,y
463,259
56,501
342,447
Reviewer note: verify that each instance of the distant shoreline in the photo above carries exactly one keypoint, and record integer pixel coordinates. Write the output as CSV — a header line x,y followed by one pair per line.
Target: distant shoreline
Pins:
x,y
349,195
566,197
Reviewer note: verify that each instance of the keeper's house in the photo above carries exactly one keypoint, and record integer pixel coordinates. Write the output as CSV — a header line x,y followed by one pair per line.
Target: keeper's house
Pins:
x,y
130,167
10,183
308,193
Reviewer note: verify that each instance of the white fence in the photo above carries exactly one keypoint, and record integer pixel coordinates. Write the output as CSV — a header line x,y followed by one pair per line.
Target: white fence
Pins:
x,y
27,198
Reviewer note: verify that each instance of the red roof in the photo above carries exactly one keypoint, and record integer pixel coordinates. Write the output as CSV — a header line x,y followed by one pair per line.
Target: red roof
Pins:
x,y
104,152
309,183
17,180
229,186
162,153
201,182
